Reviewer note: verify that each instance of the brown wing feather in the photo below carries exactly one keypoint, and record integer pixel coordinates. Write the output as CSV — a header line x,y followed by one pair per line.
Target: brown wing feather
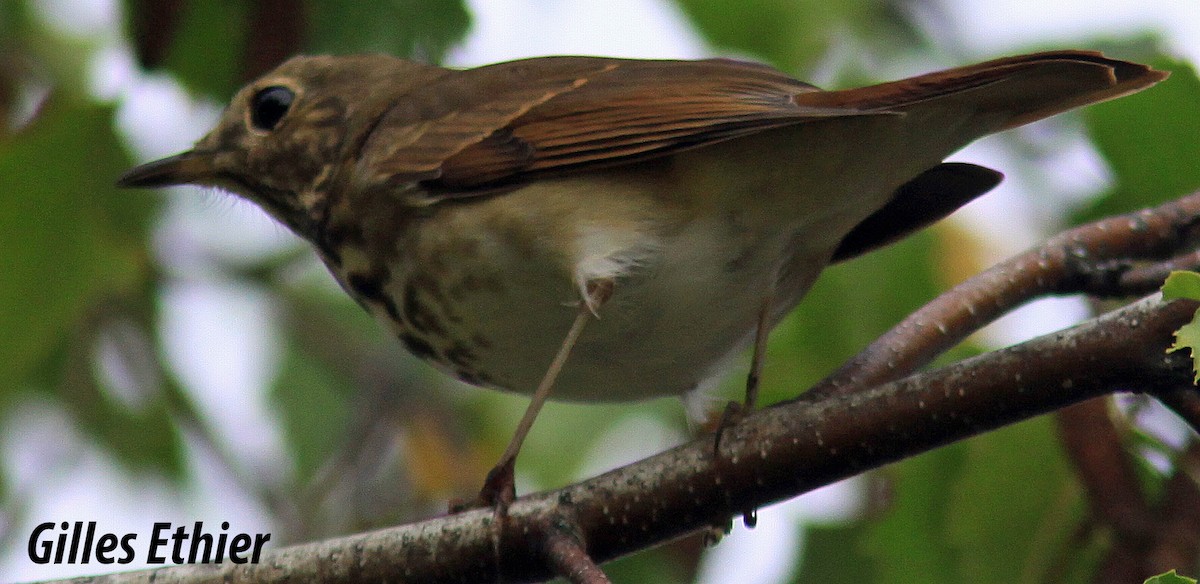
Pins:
x,y
497,124
425,127
489,125
636,110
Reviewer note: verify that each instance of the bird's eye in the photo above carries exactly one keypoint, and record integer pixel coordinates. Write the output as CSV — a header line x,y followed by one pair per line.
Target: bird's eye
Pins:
x,y
269,105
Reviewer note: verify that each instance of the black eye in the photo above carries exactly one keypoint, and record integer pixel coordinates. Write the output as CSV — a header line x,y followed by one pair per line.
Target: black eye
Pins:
x,y
269,105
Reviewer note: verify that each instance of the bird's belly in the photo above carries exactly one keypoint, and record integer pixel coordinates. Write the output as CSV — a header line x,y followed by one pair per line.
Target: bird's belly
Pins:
x,y
489,288
674,321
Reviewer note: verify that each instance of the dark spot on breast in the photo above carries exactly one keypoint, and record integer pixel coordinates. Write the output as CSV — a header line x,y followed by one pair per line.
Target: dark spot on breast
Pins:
x,y
417,346
370,286
418,314
366,285
461,355
390,307
429,286
329,254
333,237
337,235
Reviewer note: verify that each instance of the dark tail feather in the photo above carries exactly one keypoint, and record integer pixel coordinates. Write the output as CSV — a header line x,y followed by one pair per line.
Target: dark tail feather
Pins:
x,y
919,202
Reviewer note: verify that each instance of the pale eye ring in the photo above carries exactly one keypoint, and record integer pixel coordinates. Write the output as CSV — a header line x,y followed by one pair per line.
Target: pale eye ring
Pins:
x,y
269,105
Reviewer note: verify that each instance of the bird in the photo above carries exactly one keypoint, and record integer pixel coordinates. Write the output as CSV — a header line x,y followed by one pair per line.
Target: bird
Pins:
x,y
602,229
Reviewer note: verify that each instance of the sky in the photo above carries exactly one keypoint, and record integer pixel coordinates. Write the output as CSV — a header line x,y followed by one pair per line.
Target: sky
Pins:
x,y
213,321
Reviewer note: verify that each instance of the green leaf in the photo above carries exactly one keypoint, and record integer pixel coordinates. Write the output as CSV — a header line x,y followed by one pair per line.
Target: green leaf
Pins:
x,y
850,305
795,34
990,509
1015,505
206,52
792,35
1188,337
313,405
1150,142
833,555
1181,284
68,235
420,29
145,439
1186,285
73,243
910,543
1170,578
665,565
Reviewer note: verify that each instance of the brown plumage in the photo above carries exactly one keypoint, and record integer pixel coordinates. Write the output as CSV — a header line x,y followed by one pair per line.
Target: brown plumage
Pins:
x,y
575,113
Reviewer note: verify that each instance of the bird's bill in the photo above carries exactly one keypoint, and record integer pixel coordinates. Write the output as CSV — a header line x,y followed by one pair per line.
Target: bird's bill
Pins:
x,y
183,168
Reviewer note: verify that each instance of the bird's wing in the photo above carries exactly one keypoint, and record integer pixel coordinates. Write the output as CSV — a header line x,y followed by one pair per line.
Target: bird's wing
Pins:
x,y
498,124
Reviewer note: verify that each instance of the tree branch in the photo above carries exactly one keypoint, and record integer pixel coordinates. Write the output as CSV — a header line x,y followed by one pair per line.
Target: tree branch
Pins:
x,y
774,454
1097,450
566,554
847,424
1097,258
1171,539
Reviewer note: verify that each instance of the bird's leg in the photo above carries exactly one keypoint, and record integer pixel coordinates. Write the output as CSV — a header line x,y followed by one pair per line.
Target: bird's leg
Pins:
x,y
733,411
762,329
498,489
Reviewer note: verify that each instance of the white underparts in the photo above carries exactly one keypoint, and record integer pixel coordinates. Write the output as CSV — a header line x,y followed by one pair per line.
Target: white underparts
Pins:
x,y
607,254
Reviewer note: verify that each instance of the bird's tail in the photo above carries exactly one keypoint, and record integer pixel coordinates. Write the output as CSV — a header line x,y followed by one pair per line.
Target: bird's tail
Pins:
x,y
1012,91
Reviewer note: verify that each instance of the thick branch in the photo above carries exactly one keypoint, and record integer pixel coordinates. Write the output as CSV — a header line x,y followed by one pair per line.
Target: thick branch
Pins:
x,y
774,454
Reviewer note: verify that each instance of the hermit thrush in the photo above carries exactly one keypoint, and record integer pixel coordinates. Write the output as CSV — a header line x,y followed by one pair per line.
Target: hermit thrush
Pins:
x,y
683,206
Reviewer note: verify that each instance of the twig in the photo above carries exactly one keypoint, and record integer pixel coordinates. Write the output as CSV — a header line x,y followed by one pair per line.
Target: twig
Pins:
x,y
1091,258
1178,544
1098,453
1174,541
567,555
1146,279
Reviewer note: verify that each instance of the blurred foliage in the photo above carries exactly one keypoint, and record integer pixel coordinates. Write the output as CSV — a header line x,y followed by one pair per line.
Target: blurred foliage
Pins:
x,y
76,259
421,29
214,47
373,437
1150,141
801,352
195,57
795,35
